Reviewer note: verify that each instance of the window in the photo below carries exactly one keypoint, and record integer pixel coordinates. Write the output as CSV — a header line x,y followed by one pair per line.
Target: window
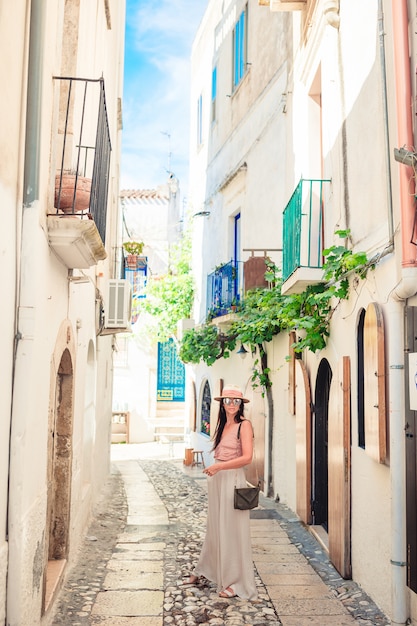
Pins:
x,y
205,410
238,275
213,93
240,48
200,121
372,418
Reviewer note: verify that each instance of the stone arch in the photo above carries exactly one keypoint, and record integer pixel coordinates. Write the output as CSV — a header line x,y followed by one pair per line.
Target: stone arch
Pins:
x,y
320,445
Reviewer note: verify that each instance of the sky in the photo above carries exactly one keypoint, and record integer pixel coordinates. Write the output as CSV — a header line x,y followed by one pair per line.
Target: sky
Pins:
x,y
155,137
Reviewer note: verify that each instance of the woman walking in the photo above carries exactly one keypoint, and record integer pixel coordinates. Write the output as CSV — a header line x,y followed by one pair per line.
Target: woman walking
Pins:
x,y
226,555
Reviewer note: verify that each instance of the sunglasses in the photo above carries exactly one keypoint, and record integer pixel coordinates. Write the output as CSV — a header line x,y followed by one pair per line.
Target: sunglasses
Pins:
x,y
235,401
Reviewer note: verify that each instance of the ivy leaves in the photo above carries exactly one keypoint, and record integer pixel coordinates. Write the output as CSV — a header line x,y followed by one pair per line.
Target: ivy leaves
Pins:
x,y
266,312
205,344
339,263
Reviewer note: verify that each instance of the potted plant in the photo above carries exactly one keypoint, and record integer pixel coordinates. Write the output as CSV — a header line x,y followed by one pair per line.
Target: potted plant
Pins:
x,y
234,305
72,192
133,250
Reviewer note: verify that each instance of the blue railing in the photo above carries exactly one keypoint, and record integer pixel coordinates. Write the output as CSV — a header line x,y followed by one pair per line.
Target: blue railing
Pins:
x,y
224,289
303,227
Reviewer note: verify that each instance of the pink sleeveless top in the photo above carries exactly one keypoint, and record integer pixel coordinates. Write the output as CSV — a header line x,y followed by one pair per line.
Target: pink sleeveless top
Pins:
x,y
230,447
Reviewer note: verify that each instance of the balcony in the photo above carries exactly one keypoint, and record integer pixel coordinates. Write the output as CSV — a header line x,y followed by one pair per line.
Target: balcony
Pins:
x,y
82,148
224,289
303,237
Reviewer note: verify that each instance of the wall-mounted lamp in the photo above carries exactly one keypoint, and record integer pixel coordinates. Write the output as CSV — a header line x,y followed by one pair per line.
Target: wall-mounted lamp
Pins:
x,y
202,214
405,156
301,334
242,352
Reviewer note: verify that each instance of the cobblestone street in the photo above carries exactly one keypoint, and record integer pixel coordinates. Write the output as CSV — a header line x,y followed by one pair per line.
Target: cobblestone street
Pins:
x,y
146,536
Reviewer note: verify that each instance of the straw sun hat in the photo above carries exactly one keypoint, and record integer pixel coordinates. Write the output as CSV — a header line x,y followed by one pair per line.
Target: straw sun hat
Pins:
x,y
231,391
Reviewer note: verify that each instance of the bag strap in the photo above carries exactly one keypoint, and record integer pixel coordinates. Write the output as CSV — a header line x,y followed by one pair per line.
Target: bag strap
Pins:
x,y
254,453
240,425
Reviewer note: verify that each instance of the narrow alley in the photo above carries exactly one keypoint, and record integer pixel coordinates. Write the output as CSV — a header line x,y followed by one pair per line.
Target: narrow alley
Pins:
x,y
146,535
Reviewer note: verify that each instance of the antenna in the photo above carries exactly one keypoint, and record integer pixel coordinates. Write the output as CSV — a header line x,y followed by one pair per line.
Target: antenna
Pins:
x,y
169,153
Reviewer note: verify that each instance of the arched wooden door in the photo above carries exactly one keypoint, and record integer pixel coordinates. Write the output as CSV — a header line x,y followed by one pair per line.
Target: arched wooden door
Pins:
x,y
320,508
59,476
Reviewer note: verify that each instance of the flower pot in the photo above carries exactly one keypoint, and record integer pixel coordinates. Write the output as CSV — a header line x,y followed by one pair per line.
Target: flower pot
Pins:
x,y
132,261
65,201
135,262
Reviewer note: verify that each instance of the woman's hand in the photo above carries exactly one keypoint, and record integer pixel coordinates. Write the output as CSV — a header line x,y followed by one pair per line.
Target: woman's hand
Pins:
x,y
212,469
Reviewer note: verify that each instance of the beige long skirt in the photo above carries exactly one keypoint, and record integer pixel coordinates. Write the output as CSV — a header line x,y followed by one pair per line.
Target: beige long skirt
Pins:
x,y
226,555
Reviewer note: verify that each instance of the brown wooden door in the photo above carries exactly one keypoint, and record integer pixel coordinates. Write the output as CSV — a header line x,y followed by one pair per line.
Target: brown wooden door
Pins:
x,y
339,526
303,441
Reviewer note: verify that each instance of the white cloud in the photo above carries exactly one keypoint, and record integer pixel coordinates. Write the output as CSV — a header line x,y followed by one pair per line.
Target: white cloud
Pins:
x,y
156,98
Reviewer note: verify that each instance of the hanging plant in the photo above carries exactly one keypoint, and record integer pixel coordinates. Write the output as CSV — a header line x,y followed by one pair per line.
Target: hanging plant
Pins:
x,y
133,247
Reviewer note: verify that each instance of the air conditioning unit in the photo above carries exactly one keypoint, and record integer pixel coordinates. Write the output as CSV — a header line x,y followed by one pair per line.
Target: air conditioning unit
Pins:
x,y
118,311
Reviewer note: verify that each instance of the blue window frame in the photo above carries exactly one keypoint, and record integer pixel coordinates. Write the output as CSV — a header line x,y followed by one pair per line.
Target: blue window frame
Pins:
x,y
238,276
200,120
240,48
213,93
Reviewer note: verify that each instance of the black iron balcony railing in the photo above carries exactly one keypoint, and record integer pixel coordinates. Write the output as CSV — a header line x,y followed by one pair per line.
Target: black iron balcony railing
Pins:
x,y
303,228
84,148
224,289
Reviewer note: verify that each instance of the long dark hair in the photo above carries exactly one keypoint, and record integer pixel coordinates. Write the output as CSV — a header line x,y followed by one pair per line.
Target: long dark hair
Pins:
x,y
221,422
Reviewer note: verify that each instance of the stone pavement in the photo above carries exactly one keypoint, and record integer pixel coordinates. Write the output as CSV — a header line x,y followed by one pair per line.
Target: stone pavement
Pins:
x,y
146,535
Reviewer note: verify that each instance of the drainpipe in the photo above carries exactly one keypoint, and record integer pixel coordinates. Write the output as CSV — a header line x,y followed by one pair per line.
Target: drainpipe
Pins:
x,y
406,288
381,33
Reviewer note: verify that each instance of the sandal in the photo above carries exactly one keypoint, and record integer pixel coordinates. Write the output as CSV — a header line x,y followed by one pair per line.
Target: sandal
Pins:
x,y
227,593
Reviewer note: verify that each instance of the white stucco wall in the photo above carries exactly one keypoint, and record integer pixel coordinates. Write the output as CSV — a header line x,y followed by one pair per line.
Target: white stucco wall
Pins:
x,y
41,301
311,106
13,54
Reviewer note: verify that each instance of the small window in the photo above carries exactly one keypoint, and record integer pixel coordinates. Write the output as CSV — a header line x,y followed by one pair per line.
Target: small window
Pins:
x,y
213,93
205,410
374,391
200,120
240,48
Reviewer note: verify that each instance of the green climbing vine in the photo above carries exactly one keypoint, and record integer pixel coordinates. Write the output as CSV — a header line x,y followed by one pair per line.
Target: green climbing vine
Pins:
x,y
266,312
